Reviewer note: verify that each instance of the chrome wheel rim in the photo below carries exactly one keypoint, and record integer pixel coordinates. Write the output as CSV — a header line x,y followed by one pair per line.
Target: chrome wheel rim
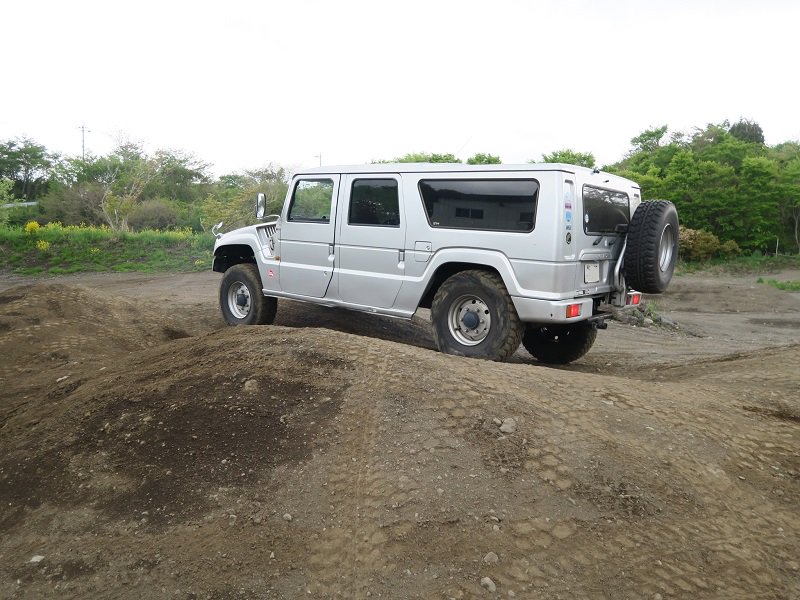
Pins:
x,y
239,301
469,320
666,247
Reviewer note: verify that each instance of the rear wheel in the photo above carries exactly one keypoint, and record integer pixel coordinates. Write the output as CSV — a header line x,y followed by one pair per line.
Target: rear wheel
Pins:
x,y
652,246
241,300
559,344
473,315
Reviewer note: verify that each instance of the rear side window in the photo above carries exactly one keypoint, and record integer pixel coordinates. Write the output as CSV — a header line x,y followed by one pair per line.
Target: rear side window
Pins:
x,y
604,210
488,204
311,201
374,202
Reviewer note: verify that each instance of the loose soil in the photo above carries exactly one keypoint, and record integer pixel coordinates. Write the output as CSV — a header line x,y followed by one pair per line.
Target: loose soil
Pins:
x,y
149,451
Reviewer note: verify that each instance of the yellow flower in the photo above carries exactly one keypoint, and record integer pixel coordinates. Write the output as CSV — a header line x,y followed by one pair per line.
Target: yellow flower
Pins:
x,y
42,245
31,227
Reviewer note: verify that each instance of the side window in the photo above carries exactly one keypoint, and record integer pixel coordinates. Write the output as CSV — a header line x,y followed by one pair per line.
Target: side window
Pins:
x,y
374,202
604,210
311,201
487,204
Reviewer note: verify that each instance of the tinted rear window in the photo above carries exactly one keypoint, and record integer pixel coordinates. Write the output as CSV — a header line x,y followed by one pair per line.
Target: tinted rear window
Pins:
x,y
489,204
374,202
603,210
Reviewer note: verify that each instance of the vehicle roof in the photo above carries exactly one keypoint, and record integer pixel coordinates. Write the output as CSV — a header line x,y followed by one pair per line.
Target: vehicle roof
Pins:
x,y
460,168
441,168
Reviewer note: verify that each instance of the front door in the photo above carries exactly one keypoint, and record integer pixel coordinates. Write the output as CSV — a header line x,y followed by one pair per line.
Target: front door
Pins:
x,y
371,240
307,236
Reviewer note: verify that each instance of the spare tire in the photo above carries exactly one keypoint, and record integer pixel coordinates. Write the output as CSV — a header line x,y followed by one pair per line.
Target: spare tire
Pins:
x,y
652,247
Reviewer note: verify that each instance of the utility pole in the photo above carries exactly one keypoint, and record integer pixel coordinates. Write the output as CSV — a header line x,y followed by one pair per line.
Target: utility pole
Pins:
x,y
83,129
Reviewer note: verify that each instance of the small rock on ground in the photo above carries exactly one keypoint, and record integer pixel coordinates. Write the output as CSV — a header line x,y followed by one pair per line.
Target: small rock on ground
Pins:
x,y
509,425
488,584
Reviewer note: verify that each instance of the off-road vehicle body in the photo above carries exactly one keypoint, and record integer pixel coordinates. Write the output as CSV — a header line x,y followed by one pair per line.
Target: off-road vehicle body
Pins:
x,y
501,254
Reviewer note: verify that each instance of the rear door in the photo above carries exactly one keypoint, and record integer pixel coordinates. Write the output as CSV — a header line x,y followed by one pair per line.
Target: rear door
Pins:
x,y
599,234
371,240
307,236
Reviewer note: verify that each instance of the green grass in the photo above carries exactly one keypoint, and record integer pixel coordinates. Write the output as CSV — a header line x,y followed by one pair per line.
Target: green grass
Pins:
x,y
741,265
57,250
787,286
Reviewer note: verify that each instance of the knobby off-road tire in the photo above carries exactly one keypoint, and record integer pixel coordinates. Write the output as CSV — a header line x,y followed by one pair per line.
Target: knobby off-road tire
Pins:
x,y
559,344
473,315
652,247
241,300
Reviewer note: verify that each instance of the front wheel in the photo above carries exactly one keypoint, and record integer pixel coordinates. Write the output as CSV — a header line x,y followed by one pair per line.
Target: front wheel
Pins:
x,y
473,315
241,300
559,344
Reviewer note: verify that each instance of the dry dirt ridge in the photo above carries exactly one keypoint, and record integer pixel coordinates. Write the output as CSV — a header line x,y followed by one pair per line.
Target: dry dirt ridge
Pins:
x,y
146,451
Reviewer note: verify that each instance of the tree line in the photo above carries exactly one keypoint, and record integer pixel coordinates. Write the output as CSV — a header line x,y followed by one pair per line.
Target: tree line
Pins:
x,y
723,178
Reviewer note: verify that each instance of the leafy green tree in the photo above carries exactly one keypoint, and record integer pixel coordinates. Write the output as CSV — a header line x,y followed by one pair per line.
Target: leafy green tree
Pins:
x,y
716,186
709,136
681,183
6,198
747,131
784,153
717,145
426,157
570,157
647,152
789,199
484,159
28,165
232,199
754,217
649,140
179,177
651,183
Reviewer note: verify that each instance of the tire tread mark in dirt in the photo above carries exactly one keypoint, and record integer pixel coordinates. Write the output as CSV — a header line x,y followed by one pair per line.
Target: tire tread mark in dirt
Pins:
x,y
347,555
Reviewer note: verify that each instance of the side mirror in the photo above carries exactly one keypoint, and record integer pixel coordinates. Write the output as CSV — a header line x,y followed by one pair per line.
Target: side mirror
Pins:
x,y
261,205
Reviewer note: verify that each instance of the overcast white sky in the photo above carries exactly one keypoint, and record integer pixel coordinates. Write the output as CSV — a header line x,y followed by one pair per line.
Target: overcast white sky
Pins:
x,y
241,84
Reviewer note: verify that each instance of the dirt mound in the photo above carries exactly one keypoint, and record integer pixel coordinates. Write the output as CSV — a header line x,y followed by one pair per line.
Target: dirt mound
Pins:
x,y
145,439
285,462
50,326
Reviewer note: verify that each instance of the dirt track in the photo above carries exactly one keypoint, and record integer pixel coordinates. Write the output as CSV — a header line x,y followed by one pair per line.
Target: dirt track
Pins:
x,y
146,451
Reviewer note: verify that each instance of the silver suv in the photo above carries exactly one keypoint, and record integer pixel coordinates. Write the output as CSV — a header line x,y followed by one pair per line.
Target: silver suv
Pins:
x,y
501,254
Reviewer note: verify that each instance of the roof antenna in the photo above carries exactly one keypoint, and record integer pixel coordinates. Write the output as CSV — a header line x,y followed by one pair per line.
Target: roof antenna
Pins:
x,y
595,170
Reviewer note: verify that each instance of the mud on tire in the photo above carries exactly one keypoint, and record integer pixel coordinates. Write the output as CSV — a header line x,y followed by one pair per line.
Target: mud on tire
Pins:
x,y
559,344
472,315
241,300
652,246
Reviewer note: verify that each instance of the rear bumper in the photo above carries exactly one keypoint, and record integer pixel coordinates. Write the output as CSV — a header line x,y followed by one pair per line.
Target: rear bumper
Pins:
x,y
532,310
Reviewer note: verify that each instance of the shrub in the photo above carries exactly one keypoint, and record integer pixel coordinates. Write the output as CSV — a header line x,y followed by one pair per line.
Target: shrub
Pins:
x,y
80,203
698,244
729,249
153,214
32,227
42,245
